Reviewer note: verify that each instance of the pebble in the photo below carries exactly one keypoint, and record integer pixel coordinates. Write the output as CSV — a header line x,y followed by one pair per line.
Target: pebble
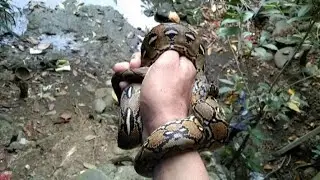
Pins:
x,y
99,105
282,56
101,92
310,172
130,35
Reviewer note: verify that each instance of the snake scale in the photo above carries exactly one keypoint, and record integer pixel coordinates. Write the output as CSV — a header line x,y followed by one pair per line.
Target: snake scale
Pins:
x,y
204,129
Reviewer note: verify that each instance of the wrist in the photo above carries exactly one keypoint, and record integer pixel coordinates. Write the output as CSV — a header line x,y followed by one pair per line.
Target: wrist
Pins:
x,y
188,165
161,117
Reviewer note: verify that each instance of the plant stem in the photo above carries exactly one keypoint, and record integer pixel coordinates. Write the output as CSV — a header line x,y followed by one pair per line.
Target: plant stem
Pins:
x,y
301,80
295,52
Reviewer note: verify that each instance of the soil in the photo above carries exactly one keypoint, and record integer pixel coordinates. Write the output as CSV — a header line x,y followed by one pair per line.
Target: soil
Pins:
x,y
58,133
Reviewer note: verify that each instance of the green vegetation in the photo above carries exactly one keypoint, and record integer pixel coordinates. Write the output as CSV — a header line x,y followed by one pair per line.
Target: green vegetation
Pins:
x,y
274,101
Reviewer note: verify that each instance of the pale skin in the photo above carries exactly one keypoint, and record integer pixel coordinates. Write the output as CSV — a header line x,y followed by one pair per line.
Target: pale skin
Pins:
x,y
165,96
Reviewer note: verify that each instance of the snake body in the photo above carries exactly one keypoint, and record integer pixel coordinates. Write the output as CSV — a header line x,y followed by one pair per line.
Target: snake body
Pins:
x,y
205,127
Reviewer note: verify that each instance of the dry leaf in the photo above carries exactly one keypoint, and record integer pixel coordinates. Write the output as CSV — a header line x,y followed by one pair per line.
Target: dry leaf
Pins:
x,y
114,96
292,138
89,166
293,106
291,91
89,137
267,167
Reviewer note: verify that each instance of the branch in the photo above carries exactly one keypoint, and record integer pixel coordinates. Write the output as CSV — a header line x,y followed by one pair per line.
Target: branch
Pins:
x,y
297,142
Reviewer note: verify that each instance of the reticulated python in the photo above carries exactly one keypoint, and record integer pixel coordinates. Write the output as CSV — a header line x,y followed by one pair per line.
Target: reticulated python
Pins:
x,y
204,129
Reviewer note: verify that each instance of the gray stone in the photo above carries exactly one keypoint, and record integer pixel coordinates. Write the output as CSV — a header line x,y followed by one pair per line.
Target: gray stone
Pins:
x,y
282,56
280,27
101,92
92,174
7,130
99,105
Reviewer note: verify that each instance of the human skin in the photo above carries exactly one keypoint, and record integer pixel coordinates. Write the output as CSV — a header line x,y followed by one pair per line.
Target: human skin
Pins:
x,y
165,96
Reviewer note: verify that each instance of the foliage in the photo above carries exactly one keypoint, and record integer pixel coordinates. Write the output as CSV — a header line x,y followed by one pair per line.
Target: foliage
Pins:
x,y
269,102
316,152
239,17
6,15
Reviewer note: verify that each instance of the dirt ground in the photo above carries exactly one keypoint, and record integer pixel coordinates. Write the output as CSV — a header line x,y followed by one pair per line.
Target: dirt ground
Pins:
x,y
60,130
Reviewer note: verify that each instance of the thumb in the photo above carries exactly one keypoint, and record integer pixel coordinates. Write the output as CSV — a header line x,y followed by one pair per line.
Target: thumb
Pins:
x,y
187,68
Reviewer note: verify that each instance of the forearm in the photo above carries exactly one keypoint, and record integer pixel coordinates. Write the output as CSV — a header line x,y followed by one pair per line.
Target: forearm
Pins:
x,y
184,166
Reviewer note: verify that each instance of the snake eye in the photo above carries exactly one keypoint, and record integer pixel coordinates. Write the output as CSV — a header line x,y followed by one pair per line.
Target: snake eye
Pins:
x,y
201,50
152,39
143,51
190,37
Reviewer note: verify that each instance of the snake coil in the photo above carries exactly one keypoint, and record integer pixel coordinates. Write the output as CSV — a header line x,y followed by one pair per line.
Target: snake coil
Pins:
x,y
204,129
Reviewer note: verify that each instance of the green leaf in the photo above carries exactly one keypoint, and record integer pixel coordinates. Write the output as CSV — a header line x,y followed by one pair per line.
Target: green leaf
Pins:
x,y
248,43
304,18
271,12
226,81
247,15
304,10
264,36
262,54
225,89
293,106
282,116
257,136
228,31
228,21
264,86
246,33
271,46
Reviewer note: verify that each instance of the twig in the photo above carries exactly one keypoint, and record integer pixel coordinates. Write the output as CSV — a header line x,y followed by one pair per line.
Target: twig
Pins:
x,y
301,80
297,142
237,62
290,59
275,170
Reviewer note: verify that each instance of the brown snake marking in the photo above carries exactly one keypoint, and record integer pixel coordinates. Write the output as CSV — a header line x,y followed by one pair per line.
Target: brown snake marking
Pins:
x,y
204,129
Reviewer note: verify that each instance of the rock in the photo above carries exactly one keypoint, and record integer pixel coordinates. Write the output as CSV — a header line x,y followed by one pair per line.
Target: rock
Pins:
x,y
101,92
92,174
123,172
99,105
110,171
127,172
284,42
309,172
7,130
280,27
3,159
106,95
282,56
215,170
130,35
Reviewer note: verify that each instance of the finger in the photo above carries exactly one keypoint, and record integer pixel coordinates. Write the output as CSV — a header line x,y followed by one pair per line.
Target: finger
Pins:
x,y
123,84
169,59
187,68
135,60
122,66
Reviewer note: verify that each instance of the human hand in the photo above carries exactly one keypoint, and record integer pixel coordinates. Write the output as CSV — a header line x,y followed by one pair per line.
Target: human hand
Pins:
x,y
166,89
165,95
